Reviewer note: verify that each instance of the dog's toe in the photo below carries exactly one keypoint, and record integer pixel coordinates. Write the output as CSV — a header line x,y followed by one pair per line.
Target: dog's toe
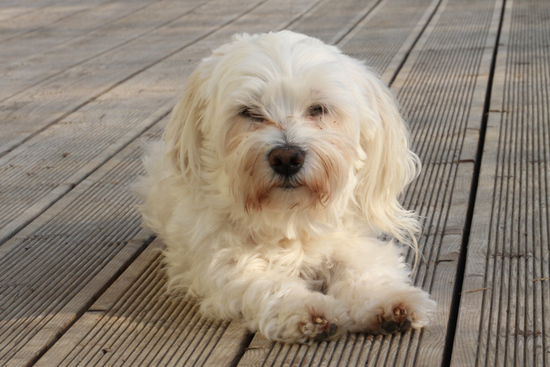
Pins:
x,y
333,331
319,329
406,325
398,320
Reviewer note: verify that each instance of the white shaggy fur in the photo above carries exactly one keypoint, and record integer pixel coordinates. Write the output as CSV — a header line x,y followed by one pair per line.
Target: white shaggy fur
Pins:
x,y
296,258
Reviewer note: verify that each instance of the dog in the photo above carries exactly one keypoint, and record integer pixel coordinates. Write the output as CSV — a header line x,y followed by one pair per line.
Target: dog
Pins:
x,y
277,180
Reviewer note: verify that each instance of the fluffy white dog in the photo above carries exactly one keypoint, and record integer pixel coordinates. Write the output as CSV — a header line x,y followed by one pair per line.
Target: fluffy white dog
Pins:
x,y
281,169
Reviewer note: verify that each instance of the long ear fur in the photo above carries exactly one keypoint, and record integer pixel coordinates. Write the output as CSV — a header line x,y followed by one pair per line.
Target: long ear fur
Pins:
x,y
183,134
389,165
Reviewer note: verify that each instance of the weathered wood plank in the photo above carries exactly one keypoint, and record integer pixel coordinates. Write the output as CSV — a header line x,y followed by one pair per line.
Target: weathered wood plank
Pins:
x,y
40,15
386,35
10,9
503,318
118,24
330,22
66,29
445,91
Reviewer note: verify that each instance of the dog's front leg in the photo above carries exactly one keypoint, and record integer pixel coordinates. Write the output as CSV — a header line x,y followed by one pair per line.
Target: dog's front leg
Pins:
x,y
375,288
281,307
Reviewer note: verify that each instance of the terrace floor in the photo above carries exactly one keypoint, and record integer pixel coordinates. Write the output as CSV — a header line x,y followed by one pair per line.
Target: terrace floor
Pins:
x,y
82,82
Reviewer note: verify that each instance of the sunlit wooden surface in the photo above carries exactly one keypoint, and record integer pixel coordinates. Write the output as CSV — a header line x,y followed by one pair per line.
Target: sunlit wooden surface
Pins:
x,y
83,82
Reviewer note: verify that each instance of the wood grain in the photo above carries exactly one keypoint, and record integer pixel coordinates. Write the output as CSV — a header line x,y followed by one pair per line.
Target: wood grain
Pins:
x,y
83,82
503,318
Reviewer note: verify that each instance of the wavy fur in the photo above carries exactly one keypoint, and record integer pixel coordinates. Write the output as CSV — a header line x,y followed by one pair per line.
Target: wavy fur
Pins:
x,y
296,258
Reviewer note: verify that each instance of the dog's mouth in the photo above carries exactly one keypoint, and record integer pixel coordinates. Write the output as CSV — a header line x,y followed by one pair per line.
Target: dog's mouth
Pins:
x,y
290,185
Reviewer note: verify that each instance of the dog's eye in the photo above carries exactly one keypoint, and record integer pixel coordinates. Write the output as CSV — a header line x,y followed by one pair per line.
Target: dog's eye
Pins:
x,y
317,110
251,115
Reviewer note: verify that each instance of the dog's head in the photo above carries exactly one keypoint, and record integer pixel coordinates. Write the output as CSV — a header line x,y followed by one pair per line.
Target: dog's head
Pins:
x,y
284,123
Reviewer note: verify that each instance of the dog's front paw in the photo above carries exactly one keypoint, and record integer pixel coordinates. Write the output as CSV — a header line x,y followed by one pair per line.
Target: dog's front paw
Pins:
x,y
311,319
317,328
389,311
398,320
407,309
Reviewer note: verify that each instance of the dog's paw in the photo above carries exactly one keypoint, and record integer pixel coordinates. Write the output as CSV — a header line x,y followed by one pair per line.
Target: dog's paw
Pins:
x,y
314,318
398,320
392,311
316,328
409,309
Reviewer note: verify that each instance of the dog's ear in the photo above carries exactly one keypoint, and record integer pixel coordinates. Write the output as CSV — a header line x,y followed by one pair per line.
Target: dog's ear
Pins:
x,y
388,164
183,134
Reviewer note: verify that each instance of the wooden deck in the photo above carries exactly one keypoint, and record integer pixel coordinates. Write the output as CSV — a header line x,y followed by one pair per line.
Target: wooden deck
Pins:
x,y
81,82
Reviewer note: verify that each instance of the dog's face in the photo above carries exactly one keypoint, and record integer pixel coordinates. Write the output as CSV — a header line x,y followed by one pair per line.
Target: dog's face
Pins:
x,y
282,122
289,142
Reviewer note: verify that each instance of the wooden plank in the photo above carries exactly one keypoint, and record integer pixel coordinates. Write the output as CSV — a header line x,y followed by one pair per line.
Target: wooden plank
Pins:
x,y
504,307
48,184
387,34
118,24
92,17
10,10
330,22
443,87
40,16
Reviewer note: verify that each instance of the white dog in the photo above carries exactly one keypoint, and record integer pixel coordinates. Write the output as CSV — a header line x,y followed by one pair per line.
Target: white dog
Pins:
x,y
281,167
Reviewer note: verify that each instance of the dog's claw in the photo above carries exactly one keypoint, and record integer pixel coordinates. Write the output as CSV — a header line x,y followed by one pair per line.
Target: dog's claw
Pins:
x,y
400,314
319,320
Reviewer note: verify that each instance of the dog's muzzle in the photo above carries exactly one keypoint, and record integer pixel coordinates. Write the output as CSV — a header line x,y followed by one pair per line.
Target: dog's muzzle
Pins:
x,y
286,160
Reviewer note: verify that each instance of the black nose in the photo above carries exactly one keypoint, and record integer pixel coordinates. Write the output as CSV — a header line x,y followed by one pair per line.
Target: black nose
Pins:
x,y
286,160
